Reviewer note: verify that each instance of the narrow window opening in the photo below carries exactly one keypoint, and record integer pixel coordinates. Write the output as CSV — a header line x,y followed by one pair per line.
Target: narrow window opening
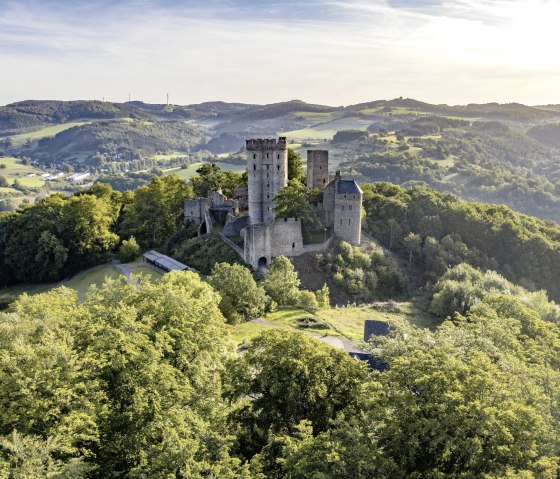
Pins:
x,y
278,157
278,167
254,167
293,245
349,221
254,156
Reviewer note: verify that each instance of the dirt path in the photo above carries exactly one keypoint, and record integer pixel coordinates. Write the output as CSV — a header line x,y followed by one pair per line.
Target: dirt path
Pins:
x,y
122,268
334,341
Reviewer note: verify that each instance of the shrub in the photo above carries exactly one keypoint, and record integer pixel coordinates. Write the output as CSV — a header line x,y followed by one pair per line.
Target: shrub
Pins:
x,y
129,250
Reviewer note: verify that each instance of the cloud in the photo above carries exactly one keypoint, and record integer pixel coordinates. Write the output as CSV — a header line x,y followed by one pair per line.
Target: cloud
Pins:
x,y
325,51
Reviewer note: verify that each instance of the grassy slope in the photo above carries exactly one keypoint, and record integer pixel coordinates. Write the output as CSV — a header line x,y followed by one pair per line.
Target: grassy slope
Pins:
x,y
80,282
45,132
343,322
190,171
96,275
328,129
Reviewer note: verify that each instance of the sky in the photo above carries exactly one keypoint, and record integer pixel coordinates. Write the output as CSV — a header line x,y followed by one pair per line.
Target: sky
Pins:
x,y
334,52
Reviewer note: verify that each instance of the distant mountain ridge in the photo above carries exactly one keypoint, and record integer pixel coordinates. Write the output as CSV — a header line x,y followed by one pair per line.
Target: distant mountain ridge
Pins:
x,y
34,113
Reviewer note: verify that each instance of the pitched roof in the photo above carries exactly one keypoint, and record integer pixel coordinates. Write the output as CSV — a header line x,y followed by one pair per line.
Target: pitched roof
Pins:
x,y
373,327
164,262
348,187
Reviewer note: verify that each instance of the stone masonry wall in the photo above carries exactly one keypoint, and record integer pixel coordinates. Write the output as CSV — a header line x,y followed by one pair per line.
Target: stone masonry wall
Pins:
x,y
195,210
282,237
348,218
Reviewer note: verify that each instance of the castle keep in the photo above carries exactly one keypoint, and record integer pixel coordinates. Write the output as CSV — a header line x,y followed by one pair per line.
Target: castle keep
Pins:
x,y
267,168
259,236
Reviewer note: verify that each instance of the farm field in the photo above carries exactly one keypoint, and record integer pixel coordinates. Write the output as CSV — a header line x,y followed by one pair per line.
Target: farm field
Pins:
x,y
327,129
46,132
190,171
184,173
170,156
14,170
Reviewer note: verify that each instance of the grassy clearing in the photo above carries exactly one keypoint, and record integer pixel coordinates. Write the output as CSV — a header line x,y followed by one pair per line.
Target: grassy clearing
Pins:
x,y
284,319
371,111
45,132
349,322
7,295
224,165
80,283
190,171
35,181
10,163
140,268
185,173
328,129
170,156
13,170
448,162
314,116
96,275
245,332
8,189
343,322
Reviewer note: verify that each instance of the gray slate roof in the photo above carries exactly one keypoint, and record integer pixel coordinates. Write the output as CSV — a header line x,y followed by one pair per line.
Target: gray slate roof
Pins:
x,y
348,187
164,262
373,327
234,228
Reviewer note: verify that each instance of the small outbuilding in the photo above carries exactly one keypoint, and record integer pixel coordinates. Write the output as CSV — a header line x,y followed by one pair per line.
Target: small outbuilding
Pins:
x,y
164,262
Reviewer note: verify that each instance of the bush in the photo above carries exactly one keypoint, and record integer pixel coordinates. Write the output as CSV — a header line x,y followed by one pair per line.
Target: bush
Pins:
x,y
129,250
311,323
307,300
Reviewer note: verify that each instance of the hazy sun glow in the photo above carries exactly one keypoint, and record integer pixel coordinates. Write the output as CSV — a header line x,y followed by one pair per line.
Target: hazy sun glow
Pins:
x,y
324,51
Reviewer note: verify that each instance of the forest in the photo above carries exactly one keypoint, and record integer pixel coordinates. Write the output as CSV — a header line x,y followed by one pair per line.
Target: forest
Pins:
x,y
143,378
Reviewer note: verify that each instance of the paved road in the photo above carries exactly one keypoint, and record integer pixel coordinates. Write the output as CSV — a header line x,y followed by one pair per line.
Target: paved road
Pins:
x,y
122,267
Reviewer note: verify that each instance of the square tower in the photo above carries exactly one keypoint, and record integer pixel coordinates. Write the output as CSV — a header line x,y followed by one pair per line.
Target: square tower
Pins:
x,y
317,169
267,168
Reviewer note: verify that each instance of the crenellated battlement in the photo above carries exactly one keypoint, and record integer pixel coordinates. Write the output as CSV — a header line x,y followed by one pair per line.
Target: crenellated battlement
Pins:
x,y
261,144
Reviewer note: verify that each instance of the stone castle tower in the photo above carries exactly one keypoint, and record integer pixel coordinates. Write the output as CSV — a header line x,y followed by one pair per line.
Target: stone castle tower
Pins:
x,y
267,167
317,169
342,209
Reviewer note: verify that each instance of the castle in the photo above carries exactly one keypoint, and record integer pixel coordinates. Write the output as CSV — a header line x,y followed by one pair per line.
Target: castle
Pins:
x,y
260,235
